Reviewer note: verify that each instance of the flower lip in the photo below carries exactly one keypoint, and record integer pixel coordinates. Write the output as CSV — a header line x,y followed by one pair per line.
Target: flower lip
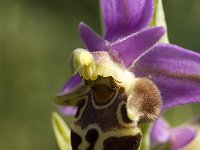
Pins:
x,y
103,89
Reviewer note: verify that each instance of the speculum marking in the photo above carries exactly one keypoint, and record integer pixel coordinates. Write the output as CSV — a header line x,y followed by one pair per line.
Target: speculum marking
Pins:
x,y
102,94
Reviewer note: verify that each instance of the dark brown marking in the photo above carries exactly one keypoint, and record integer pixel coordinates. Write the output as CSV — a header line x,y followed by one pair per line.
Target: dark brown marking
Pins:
x,y
124,114
123,143
106,118
92,136
102,94
80,105
75,140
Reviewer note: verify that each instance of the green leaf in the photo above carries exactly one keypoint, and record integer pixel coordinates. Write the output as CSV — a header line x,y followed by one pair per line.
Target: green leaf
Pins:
x,y
62,132
159,19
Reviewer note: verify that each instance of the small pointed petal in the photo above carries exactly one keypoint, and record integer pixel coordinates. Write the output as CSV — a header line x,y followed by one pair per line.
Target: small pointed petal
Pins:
x,y
71,85
92,40
72,93
133,46
62,132
160,131
123,17
182,136
72,98
176,72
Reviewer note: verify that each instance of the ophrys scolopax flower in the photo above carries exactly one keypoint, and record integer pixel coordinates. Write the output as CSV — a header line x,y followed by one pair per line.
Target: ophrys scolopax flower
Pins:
x,y
126,78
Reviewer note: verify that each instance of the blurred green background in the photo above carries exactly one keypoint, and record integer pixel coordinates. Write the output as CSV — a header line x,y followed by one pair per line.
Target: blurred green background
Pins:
x,y
36,38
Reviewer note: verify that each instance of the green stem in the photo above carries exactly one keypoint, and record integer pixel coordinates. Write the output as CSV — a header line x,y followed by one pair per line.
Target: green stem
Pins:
x,y
146,128
159,19
101,18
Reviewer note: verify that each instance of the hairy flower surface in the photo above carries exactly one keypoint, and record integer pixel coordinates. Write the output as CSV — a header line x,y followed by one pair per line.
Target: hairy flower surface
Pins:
x,y
175,70
130,56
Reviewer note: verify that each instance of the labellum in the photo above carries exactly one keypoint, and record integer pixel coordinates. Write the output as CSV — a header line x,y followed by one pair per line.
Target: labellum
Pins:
x,y
111,106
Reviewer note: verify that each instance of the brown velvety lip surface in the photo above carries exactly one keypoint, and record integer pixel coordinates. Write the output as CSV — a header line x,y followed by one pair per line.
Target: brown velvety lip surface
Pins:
x,y
103,94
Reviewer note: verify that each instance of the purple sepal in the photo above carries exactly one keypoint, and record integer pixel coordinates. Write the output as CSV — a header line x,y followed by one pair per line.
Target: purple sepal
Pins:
x,y
175,70
68,110
180,137
124,17
133,46
92,40
71,85
160,131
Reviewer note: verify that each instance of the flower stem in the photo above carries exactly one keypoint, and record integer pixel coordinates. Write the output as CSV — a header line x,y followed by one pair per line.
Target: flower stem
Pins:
x,y
101,18
146,128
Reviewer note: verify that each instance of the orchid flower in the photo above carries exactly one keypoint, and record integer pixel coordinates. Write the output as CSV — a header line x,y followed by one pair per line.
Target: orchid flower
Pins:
x,y
185,137
131,65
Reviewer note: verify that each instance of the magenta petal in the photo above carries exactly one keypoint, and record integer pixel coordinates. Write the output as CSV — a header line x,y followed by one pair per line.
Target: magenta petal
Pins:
x,y
175,70
92,40
123,17
136,44
71,85
68,110
160,132
182,136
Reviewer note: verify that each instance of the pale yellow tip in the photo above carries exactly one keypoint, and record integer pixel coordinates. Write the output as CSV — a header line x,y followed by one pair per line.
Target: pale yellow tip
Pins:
x,y
84,63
